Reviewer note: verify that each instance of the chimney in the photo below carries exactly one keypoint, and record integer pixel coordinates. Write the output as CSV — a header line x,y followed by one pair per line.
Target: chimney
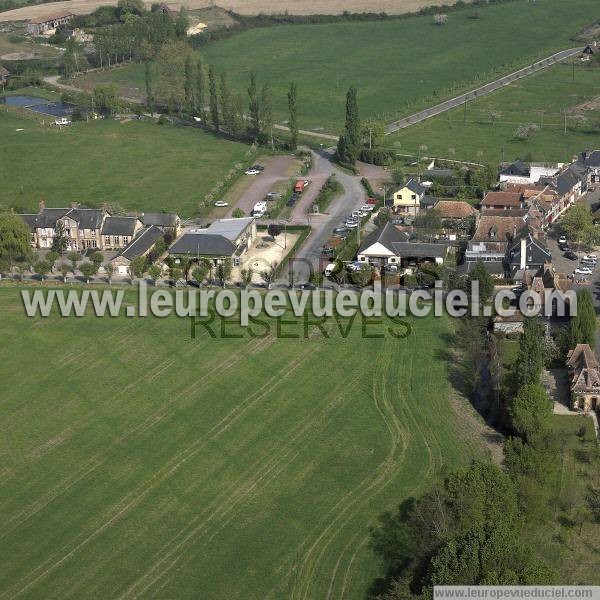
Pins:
x,y
42,205
523,253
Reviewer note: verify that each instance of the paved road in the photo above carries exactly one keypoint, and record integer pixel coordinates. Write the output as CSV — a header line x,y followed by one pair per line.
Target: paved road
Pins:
x,y
488,88
322,225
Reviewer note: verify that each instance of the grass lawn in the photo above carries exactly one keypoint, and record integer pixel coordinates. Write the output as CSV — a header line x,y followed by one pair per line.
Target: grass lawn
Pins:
x,y
11,43
140,165
552,91
569,544
139,462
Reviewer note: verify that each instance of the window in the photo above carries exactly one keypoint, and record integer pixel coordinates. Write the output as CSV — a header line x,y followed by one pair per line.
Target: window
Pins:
x,y
107,240
414,196
116,240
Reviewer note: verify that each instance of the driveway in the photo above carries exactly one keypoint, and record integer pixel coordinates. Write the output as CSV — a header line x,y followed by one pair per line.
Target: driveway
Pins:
x,y
354,196
276,170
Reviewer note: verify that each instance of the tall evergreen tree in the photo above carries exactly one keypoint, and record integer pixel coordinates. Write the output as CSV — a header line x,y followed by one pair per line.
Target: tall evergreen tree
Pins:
x,y
227,108
149,91
214,98
583,324
266,101
530,359
200,94
254,107
293,109
188,87
350,141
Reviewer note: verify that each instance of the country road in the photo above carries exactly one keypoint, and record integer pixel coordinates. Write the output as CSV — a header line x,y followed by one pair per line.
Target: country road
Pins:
x,y
483,90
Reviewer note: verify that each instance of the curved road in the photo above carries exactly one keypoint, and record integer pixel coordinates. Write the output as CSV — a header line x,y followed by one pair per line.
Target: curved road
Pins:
x,y
488,88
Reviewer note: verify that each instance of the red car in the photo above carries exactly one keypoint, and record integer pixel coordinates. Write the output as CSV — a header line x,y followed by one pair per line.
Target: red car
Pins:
x,y
371,200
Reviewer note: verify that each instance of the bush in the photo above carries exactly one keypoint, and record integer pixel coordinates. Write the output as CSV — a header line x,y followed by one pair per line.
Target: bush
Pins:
x,y
377,156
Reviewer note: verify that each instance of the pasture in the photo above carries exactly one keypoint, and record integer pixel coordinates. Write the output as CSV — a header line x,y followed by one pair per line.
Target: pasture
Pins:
x,y
138,462
398,66
488,134
138,164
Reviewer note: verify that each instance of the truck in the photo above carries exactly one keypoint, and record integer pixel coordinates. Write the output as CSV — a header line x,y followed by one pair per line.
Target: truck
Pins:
x,y
300,185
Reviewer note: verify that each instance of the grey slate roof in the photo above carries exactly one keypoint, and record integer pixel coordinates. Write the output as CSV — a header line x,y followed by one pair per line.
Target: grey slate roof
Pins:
x,y
86,218
415,186
30,220
591,159
203,244
119,226
518,168
386,236
419,250
537,253
229,228
159,219
142,242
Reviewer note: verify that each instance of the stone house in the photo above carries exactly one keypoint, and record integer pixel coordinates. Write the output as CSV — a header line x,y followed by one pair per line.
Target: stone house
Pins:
x,y
584,378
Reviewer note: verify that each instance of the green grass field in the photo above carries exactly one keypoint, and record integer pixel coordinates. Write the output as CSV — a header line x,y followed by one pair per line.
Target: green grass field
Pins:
x,y
140,165
541,99
398,66
137,462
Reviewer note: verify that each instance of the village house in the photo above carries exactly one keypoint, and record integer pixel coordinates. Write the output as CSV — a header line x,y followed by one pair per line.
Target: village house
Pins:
x,y
526,173
590,161
388,245
86,228
167,221
584,378
117,232
223,239
526,252
407,200
502,201
491,240
454,212
48,24
140,246
82,226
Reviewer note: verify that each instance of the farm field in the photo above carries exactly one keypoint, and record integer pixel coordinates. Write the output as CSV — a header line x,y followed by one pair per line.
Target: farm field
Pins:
x,y
491,122
138,462
398,66
139,165
245,7
16,46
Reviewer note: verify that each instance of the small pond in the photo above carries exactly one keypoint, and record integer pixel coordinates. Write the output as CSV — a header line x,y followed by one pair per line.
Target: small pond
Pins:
x,y
55,108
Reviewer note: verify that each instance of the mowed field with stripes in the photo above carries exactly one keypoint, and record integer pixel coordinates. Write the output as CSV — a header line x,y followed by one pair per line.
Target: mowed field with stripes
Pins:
x,y
136,462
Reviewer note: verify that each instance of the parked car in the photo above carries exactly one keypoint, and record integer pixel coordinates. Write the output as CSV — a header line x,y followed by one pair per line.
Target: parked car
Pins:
x,y
371,200
590,258
273,195
252,172
307,286
351,224
367,208
390,268
570,255
338,230
221,203
257,168
356,266
583,271
562,239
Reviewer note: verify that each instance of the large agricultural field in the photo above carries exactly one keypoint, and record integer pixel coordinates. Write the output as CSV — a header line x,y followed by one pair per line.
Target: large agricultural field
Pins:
x,y
138,462
139,165
418,63
245,7
488,133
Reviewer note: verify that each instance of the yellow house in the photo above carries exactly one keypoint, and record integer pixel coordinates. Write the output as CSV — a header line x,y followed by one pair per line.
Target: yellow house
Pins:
x,y
408,198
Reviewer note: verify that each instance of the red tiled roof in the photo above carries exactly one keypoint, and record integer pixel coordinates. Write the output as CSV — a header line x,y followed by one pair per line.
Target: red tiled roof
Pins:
x,y
454,209
512,199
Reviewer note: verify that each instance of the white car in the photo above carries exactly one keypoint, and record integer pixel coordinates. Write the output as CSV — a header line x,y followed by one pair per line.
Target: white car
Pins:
x,y
590,258
252,172
351,224
221,203
583,271
562,239
367,208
